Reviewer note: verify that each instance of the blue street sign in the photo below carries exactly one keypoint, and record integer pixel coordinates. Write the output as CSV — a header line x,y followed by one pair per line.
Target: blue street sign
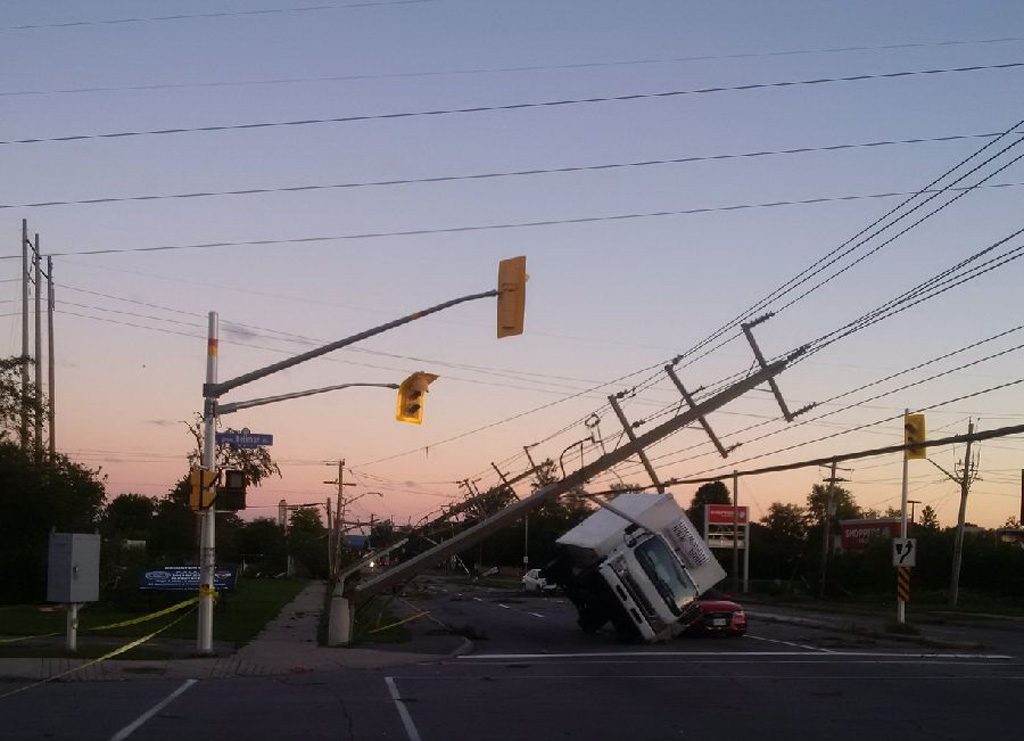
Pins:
x,y
244,439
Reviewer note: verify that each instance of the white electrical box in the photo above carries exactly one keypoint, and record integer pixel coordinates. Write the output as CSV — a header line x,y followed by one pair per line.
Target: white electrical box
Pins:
x,y
73,572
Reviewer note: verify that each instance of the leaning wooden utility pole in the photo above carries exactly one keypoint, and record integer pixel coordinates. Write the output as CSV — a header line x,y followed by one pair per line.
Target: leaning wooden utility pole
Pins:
x,y
467,538
965,479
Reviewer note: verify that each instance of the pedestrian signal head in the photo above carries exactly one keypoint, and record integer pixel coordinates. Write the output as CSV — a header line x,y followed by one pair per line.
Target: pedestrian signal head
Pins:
x,y
914,436
512,279
411,396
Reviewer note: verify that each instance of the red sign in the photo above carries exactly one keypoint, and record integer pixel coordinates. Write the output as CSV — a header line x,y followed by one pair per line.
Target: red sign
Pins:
x,y
722,514
856,534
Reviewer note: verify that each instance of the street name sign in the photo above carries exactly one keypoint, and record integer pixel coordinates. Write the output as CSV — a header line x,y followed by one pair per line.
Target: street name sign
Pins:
x,y
245,439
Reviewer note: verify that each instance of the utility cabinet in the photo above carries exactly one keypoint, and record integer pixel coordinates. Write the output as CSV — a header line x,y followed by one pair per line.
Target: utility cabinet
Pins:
x,y
73,571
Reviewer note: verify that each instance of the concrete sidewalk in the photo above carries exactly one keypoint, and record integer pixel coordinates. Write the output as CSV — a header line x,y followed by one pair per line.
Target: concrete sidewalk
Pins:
x,y
287,645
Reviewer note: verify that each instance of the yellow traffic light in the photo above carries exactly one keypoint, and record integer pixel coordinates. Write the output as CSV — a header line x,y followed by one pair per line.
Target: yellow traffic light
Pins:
x,y
202,489
913,434
512,279
411,396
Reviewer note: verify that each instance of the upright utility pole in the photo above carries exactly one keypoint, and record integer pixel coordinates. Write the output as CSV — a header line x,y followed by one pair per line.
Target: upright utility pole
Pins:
x,y
51,362
38,280
966,477
24,334
826,530
735,532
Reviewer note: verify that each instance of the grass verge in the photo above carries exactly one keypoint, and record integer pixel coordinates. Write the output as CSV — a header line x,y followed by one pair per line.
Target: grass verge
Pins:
x,y
238,617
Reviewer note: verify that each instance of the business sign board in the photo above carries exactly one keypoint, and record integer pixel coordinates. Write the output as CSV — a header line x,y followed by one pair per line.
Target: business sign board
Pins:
x,y
718,526
185,579
856,535
722,514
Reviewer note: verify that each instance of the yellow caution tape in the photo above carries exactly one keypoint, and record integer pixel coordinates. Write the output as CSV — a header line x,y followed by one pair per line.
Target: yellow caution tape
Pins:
x,y
116,652
146,618
111,626
400,622
25,638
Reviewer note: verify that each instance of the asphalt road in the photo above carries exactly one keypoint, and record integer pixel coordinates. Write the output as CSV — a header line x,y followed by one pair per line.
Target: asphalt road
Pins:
x,y
533,675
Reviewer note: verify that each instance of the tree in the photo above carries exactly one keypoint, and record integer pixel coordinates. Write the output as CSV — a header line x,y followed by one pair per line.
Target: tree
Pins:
x,y
13,402
255,464
715,492
264,546
929,518
845,507
129,516
307,541
35,498
784,536
787,523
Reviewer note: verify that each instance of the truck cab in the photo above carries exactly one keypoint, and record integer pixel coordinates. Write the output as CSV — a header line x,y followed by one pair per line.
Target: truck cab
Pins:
x,y
637,563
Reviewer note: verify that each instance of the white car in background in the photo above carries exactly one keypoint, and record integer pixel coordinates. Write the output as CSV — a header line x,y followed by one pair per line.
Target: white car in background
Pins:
x,y
534,582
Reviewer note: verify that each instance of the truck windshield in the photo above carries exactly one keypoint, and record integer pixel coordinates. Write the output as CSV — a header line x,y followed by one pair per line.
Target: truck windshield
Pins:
x,y
666,574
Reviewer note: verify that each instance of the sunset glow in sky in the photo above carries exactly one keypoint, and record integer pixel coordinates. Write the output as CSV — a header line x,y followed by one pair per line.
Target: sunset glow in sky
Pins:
x,y
664,166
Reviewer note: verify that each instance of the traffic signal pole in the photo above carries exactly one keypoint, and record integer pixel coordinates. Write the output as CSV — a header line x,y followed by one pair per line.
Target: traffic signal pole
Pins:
x,y
511,288
207,539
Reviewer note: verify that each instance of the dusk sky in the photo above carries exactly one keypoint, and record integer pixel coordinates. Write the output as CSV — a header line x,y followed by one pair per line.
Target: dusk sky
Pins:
x,y
664,166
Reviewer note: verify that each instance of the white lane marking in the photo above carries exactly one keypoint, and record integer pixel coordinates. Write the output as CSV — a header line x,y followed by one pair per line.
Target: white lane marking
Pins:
x,y
790,643
475,598
728,654
129,729
731,677
505,606
536,614
403,712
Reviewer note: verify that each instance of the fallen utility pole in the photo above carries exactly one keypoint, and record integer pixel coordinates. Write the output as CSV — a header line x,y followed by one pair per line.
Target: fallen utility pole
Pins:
x,y
575,480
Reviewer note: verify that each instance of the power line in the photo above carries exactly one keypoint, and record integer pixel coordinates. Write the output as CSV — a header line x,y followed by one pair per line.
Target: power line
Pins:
x,y
495,227
511,69
559,103
501,174
221,14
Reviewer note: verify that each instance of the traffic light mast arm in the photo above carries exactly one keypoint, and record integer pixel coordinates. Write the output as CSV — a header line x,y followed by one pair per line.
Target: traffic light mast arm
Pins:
x,y
215,390
234,406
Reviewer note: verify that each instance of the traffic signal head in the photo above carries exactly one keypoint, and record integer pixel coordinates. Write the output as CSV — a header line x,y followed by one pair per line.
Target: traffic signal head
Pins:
x,y
512,279
411,396
914,435
202,491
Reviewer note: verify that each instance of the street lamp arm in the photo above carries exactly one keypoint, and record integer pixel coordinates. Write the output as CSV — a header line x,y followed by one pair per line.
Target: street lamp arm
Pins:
x,y
215,390
234,406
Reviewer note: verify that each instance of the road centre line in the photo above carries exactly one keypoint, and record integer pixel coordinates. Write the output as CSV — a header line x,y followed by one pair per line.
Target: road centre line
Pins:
x,y
790,643
536,614
505,606
129,729
403,712
721,654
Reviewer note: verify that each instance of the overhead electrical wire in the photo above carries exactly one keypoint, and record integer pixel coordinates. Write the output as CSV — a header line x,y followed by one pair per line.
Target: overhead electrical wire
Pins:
x,y
490,227
599,167
527,105
495,70
208,15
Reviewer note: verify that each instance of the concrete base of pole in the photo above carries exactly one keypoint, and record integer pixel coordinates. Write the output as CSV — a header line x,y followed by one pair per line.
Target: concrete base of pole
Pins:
x,y
72,627
339,619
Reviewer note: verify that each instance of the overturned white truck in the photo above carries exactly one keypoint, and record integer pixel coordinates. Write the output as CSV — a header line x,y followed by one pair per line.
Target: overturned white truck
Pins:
x,y
638,563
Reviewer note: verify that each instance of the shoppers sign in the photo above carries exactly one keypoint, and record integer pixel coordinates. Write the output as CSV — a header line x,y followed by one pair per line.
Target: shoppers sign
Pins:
x,y
856,535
